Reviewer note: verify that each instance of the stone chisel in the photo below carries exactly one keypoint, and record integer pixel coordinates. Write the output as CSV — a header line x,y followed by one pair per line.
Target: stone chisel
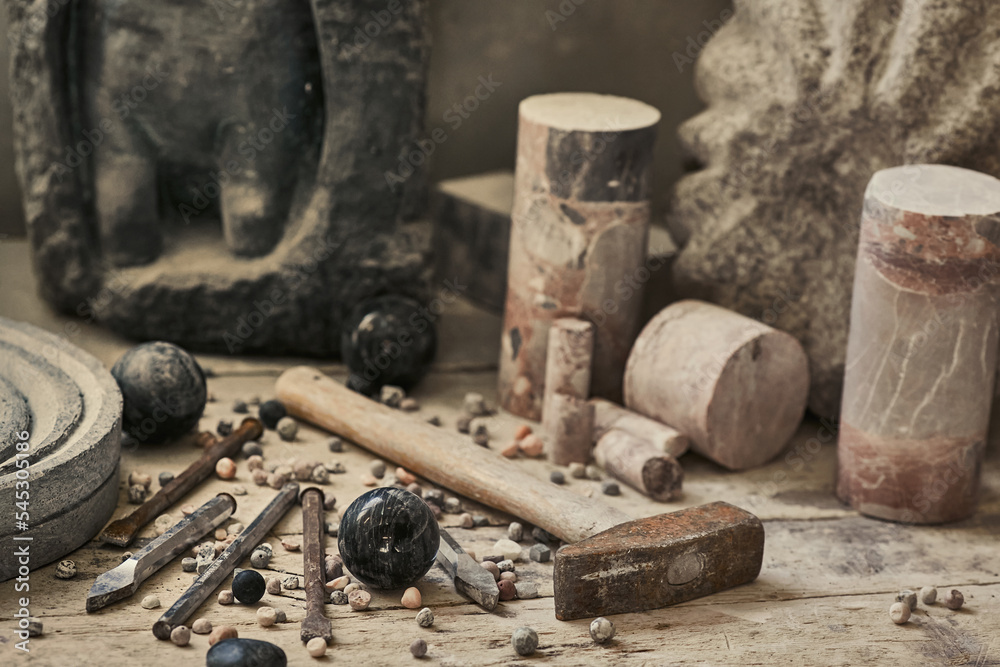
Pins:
x,y
122,531
222,566
122,581
315,624
471,579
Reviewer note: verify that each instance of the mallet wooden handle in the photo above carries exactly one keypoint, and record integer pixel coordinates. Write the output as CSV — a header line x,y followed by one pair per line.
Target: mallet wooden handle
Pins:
x,y
443,457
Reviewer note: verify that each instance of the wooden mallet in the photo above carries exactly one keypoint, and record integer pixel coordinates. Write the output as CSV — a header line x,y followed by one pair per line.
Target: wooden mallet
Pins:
x,y
614,565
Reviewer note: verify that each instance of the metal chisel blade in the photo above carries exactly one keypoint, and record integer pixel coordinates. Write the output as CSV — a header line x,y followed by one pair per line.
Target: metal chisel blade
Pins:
x,y
471,579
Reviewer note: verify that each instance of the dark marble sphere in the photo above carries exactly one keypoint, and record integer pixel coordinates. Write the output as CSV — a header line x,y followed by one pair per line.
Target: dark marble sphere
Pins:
x,y
248,586
388,340
271,412
388,538
239,652
164,392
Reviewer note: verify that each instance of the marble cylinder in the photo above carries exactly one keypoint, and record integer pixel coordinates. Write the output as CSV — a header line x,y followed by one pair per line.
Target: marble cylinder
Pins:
x,y
578,236
922,348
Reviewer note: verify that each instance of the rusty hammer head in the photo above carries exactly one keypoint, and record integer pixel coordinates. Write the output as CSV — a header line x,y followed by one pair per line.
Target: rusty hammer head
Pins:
x,y
658,561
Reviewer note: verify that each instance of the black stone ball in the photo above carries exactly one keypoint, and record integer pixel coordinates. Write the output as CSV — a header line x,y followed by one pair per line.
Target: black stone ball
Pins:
x,y
388,538
239,652
271,412
164,392
388,340
248,586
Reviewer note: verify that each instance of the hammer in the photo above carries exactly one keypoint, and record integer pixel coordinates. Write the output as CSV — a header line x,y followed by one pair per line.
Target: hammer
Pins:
x,y
615,565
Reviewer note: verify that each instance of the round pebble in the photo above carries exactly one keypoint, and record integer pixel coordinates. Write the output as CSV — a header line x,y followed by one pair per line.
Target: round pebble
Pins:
x,y
899,612
249,586
405,477
557,477
928,595
601,630
506,565
35,627
287,429
280,616
452,505
238,490
335,445
340,583
225,468
251,449
224,427
593,472
510,549
610,488
222,632
255,463
509,576
181,635
507,589
532,445
240,407
909,597
353,586
359,600
338,597
377,468
150,602
319,475
66,569
165,478
524,640
316,647
226,597
492,568
260,559
290,583
271,412
266,616
953,599
189,564
136,494
425,617
577,470
202,626
277,480
515,531
522,432
418,648
465,520
411,598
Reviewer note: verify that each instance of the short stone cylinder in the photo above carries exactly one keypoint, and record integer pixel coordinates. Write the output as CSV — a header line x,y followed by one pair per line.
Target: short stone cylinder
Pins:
x,y
608,415
640,465
578,240
922,347
737,388
567,428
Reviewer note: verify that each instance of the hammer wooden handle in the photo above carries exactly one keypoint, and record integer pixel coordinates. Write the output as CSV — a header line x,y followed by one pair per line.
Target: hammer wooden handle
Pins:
x,y
443,457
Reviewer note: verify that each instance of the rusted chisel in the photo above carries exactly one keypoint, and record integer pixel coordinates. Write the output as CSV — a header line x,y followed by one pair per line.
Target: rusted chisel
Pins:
x,y
124,580
315,624
222,566
124,530
471,579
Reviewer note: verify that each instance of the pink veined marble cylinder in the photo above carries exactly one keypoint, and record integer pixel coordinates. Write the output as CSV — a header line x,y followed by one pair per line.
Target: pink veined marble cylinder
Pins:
x,y
922,348
579,231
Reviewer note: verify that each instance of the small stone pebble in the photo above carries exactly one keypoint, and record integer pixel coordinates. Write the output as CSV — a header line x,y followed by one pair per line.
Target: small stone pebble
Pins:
x,y
290,583
953,599
506,565
35,627
335,445
543,536
405,477
509,575
594,473
222,632
526,590
481,436
353,586
220,533
377,468
524,640
577,470
338,597
136,494
409,405
290,544
265,546
511,450
425,617
359,600
463,424
415,489
66,569
899,612
391,395
601,630
515,531
125,556
251,449
202,626
225,468
235,528
140,478
531,445
411,598
434,497
271,412
332,528
465,520
452,505
334,566
492,569
418,648
434,421
224,427
540,553
150,602
189,564
226,597
249,586
238,490
181,635
510,549
368,479
165,478
475,405
340,583
260,477
316,647
507,589
277,480
909,597
557,477
266,616
273,586
287,429
522,432
240,407
319,475
928,595
610,488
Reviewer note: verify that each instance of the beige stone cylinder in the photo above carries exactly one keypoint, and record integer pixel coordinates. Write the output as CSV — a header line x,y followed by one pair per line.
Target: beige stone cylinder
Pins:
x,y
736,387
578,240
567,428
608,415
640,465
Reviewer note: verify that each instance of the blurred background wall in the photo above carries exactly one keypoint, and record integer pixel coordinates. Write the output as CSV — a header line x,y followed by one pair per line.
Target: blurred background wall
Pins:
x,y
620,47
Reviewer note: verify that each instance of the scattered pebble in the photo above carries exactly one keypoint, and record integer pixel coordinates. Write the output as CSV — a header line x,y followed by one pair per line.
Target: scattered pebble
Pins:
x,y
509,575
240,407
332,528
290,545
526,590
434,421
928,595
329,501
507,589
510,549
316,647
338,597
165,478
463,424
253,400
515,531
125,556
181,635
238,490
281,616
532,445
899,612
506,566
260,477
522,432
235,528
340,583
266,616
35,627
601,630
273,586
434,497
150,602
226,597
540,553
909,597
511,450
411,598
492,569
66,569
593,472
452,505
136,494
189,564
249,586
418,648
377,468
334,566
475,405
220,533
409,405
610,488
415,489
391,395
577,470
271,412
953,599
224,427
251,449
222,632
287,429
368,479
465,520
353,586
557,477
481,436
277,480
425,617
405,477
336,468
290,583
335,445
524,640
359,600
225,468
202,626
140,478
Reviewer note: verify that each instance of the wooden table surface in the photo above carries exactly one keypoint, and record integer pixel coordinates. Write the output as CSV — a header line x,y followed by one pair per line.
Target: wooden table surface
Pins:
x,y
822,597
